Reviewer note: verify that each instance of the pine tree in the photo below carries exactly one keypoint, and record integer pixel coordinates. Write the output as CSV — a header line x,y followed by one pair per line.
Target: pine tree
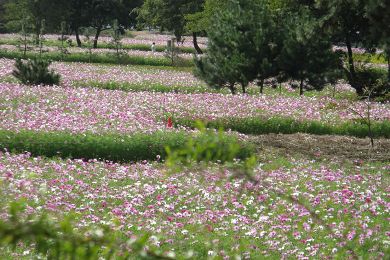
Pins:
x,y
307,55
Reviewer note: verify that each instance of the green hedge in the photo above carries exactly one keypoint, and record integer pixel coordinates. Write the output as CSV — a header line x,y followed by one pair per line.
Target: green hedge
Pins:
x,y
126,86
95,58
112,147
257,126
103,45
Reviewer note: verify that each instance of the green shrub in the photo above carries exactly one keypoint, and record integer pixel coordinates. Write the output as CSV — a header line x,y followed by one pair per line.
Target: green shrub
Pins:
x,y
208,146
155,87
95,58
374,79
258,126
35,72
112,147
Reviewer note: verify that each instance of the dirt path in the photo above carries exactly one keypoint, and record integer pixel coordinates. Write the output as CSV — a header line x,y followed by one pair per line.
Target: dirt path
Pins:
x,y
325,146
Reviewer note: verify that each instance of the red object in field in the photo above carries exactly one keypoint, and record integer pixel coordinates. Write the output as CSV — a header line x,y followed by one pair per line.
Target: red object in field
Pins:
x,y
169,124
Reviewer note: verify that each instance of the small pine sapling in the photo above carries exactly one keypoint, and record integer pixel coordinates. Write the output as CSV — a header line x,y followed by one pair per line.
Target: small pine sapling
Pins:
x,y
89,41
366,116
35,72
116,39
63,39
24,40
41,36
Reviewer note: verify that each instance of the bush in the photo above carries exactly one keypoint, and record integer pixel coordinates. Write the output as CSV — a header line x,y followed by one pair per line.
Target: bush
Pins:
x,y
374,79
112,147
259,126
35,72
208,146
95,58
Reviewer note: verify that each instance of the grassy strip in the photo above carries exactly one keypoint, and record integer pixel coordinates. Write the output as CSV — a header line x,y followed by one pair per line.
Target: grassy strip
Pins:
x,y
370,58
104,45
257,126
95,58
112,147
130,87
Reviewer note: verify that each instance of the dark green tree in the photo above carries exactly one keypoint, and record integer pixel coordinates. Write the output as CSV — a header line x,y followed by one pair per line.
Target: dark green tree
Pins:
x,y
307,55
348,24
378,13
244,44
34,11
170,15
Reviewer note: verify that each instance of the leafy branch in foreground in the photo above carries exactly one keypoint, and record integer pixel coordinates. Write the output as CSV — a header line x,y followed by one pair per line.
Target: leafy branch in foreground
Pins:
x,y
63,241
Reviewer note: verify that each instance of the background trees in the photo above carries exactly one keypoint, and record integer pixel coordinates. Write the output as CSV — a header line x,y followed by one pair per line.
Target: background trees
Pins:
x,y
293,40
307,55
170,15
255,40
97,14
250,40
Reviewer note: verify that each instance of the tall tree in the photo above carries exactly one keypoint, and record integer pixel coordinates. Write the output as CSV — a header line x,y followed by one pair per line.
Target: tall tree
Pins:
x,y
2,14
378,12
242,47
307,54
169,15
347,22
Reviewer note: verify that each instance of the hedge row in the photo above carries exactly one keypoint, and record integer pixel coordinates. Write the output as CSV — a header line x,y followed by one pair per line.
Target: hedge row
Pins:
x,y
96,58
112,147
257,126
131,87
104,45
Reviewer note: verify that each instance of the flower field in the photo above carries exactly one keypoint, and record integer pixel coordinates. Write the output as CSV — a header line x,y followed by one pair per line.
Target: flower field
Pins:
x,y
111,159
99,111
206,209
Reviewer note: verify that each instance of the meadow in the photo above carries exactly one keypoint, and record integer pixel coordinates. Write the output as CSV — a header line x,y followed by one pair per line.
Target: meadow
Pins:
x,y
103,149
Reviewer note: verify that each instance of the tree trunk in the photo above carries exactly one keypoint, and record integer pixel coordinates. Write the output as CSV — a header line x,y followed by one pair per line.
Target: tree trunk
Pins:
x,y
195,41
232,89
76,31
243,88
301,87
388,67
352,72
95,41
261,85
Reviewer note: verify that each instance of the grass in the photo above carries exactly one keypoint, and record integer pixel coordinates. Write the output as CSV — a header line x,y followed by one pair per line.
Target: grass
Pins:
x,y
119,188
370,58
95,58
104,45
112,147
258,126
146,86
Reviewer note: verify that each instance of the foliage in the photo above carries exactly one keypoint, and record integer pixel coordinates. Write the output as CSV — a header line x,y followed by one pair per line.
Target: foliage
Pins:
x,y
104,45
167,14
374,80
112,147
378,13
63,39
35,72
116,41
24,40
231,55
62,240
90,57
201,21
283,125
208,146
307,54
